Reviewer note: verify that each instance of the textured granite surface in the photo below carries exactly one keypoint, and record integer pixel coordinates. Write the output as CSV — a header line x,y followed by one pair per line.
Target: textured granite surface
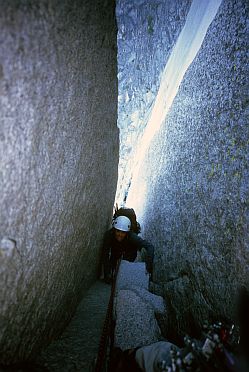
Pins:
x,y
58,157
77,348
194,180
157,303
135,308
132,274
147,32
136,324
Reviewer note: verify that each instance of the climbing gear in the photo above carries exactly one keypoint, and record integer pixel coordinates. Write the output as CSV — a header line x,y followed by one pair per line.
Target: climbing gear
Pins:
x,y
107,336
215,353
130,213
122,223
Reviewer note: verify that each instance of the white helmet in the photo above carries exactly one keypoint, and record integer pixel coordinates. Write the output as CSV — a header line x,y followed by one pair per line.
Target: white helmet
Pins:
x,y
122,223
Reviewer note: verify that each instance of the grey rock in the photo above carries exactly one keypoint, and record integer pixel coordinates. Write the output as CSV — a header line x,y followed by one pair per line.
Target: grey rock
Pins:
x,y
135,322
132,274
59,156
157,303
147,32
193,180
77,348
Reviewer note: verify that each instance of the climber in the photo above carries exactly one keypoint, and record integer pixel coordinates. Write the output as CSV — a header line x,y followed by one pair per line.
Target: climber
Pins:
x,y
120,242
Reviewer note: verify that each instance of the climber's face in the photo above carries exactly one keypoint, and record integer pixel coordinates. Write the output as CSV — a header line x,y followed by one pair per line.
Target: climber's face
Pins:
x,y
120,235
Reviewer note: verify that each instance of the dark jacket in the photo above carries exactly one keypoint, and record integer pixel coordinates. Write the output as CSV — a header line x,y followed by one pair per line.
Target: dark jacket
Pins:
x,y
127,250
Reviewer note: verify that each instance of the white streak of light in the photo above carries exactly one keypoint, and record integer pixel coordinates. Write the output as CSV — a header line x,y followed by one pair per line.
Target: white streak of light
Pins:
x,y
200,16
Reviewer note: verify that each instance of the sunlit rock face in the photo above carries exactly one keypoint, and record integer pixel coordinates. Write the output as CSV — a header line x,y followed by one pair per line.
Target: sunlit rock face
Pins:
x,y
147,31
192,193
59,160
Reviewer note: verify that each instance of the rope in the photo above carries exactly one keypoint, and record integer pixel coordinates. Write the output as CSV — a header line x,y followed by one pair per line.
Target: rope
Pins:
x,y
107,332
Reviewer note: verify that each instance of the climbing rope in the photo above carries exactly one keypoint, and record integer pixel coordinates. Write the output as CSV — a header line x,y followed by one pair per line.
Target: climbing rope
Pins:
x,y
107,332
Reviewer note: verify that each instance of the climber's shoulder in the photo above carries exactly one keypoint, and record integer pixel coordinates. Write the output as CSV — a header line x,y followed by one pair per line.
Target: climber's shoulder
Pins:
x,y
134,238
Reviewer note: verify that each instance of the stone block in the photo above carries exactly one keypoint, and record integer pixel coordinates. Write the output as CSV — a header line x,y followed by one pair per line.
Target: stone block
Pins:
x,y
135,322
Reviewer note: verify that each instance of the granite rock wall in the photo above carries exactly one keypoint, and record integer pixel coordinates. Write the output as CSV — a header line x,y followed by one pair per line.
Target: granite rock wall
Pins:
x,y
59,162
192,193
147,32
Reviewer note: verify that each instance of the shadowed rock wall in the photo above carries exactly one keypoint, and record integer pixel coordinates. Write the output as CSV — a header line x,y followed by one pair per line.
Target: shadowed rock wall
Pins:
x,y
59,159
192,192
